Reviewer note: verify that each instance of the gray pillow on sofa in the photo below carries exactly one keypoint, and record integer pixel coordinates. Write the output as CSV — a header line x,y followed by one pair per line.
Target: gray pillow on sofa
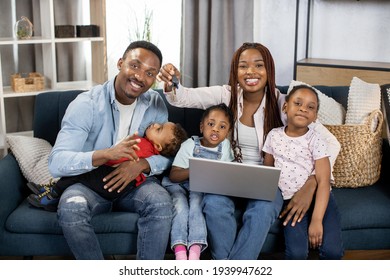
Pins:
x,y
32,155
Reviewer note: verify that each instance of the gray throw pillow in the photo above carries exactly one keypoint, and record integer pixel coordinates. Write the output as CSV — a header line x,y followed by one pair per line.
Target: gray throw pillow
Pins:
x,y
32,155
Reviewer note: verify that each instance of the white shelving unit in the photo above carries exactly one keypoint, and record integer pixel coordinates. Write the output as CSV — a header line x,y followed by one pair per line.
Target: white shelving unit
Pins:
x,y
333,72
47,49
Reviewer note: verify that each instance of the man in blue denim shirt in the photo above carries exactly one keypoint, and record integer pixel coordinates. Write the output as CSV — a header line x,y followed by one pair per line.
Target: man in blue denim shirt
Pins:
x,y
93,123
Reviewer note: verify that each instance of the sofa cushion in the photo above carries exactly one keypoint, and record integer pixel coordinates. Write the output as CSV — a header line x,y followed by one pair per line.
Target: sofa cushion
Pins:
x,y
28,219
50,107
364,208
32,155
330,112
189,119
363,98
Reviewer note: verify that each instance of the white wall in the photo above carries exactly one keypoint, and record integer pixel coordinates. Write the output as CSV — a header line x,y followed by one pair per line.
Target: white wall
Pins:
x,y
123,15
340,29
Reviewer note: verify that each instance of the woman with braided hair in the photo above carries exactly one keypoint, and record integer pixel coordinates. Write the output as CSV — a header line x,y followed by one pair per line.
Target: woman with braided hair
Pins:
x,y
256,104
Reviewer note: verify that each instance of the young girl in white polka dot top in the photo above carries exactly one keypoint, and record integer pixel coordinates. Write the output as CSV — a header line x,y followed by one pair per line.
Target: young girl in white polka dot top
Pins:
x,y
300,152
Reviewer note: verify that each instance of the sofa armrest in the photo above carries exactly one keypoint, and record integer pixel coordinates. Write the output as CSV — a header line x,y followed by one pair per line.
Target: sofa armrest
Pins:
x,y
385,175
12,188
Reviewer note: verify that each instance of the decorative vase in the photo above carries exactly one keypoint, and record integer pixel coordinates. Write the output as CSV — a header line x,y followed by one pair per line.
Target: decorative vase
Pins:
x,y
23,28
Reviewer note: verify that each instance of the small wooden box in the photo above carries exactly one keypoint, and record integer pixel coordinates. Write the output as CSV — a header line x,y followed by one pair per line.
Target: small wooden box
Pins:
x,y
33,82
87,31
64,31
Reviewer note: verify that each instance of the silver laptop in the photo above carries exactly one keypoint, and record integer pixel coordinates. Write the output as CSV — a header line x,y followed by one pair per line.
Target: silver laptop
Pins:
x,y
233,179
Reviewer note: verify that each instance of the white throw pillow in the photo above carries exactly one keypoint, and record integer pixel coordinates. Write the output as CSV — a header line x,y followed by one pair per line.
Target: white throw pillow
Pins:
x,y
32,155
363,98
331,112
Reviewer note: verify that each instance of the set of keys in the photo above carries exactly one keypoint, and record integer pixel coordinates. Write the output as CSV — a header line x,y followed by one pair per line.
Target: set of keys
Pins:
x,y
175,84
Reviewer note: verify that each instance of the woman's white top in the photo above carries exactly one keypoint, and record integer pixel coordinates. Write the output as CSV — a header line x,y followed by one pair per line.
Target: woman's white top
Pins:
x,y
249,144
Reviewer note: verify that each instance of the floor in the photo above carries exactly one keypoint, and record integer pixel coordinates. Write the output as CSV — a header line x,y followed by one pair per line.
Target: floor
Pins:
x,y
349,255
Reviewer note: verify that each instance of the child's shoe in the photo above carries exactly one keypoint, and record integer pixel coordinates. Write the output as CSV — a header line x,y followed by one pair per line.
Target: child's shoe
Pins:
x,y
47,200
40,188
194,252
180,252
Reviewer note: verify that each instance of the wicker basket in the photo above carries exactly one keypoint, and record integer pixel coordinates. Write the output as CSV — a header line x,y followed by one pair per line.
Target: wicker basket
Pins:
x,y
33,82
87,31
64,31
359,161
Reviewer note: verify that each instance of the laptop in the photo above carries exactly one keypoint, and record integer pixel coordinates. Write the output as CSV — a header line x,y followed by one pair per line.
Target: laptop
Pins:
x,y
233,178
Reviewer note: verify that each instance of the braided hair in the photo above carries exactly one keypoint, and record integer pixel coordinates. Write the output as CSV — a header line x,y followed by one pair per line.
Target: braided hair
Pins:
x,y
271,114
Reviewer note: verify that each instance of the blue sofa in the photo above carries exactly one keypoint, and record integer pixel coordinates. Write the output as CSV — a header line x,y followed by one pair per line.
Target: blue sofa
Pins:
x,y
27,231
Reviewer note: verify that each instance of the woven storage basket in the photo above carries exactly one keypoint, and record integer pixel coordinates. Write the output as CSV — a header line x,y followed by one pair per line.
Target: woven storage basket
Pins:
x,y
359,161
33,82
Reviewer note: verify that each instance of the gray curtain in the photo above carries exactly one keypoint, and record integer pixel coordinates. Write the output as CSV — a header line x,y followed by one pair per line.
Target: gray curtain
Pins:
x,y
212,30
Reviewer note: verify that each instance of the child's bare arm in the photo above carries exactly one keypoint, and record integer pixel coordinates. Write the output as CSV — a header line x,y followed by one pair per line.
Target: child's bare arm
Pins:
x,y
268,160
322,170
179,174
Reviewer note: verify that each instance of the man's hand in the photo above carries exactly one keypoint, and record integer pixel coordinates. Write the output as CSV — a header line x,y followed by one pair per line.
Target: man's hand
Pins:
x,y
125,149
300,202
126,172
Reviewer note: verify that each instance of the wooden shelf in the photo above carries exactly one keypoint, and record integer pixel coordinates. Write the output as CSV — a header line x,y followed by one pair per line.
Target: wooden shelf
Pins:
x,y
353,64
332,72
32,40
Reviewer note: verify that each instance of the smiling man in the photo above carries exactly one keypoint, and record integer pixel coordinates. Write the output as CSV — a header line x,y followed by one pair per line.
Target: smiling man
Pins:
x,y
94,122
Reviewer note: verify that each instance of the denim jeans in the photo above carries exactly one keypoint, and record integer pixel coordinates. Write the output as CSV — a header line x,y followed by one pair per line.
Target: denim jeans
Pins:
x,y
188,225
78,204
297,239
226,239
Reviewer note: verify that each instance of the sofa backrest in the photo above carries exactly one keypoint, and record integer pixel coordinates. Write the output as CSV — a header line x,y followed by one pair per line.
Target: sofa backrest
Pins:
x,y
188,118
48,113
50,108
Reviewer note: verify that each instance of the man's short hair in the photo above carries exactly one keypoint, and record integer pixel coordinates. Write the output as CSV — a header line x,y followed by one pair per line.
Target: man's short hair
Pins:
x,y
144,45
